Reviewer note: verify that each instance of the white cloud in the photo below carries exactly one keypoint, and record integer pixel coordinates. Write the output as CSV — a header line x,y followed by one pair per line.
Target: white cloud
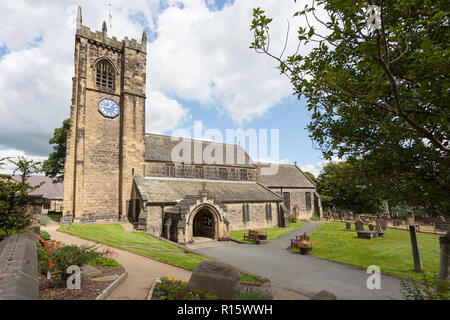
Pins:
x,y
165,114
199,54
13,154
203,55
316,168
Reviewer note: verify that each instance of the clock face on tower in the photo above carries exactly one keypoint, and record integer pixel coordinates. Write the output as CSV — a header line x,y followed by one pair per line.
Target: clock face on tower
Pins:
x,y
108,108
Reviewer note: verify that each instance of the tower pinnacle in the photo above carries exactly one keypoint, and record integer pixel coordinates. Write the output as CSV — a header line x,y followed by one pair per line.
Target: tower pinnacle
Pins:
x,y
79,18
104,29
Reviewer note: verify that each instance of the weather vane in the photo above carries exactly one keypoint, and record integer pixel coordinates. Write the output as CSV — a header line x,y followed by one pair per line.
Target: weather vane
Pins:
x,y
110,16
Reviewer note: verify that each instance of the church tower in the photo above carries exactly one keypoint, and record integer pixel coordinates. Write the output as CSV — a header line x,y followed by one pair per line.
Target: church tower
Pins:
x,y
105,144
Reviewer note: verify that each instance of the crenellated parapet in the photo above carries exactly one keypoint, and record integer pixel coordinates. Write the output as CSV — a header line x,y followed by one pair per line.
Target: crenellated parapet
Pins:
x,y
100,37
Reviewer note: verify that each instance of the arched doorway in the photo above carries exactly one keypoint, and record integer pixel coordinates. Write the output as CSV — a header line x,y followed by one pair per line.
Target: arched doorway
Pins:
x,y
204,224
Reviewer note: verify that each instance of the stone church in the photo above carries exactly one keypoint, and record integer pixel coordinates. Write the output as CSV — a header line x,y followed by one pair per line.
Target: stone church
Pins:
x,y
114,171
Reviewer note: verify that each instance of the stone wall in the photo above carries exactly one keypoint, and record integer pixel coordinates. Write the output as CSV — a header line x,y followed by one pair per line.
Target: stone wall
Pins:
x,y
257,213
104,153
298,201
154,220
19,268
158,169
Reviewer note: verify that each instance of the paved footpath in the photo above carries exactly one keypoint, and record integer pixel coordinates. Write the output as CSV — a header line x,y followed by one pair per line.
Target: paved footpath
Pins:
x,y
304,274
141,271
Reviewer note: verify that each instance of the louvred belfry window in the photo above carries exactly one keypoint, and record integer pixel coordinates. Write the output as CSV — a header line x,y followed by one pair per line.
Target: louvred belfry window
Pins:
x,y
105,75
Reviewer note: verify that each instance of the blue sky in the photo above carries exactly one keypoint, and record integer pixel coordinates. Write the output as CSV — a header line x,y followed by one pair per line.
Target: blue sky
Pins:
x,y
199,68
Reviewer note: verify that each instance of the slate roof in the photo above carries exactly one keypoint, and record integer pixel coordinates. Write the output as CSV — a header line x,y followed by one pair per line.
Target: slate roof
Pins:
x,y
159,148
171,190
288,176
48,190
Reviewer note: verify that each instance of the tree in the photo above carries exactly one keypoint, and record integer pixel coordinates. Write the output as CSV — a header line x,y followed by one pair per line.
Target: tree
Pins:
x,y
14,194
341,186
25,167
13,199
54,165
378,94
311,176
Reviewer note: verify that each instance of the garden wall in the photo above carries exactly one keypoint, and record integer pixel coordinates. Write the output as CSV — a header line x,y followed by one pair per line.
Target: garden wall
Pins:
x,y
19,268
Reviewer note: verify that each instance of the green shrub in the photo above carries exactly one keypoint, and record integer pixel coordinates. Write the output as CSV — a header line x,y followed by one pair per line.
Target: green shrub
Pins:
x,y
69,255
434,289
13,200
171,289
45,234
42,258
252,293
105,262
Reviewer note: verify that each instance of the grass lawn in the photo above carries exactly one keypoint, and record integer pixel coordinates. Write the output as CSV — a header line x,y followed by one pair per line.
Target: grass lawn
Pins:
x,y
272,233
114,235
392,254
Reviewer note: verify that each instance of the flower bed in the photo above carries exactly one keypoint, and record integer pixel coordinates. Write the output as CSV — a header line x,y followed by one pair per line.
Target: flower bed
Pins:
x,y
305,244
171,289
53,262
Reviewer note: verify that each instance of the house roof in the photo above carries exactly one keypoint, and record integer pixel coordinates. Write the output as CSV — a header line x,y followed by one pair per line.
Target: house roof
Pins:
x,y
48,189
287,176
171,190
160,148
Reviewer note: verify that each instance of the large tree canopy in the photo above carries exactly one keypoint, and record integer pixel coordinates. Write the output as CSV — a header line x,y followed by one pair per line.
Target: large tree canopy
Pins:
x,y
381,94
342,187
54,165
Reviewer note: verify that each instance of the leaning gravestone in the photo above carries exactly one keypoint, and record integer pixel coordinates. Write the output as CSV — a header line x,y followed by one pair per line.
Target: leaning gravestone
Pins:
x,y
217,276
378,226
359,225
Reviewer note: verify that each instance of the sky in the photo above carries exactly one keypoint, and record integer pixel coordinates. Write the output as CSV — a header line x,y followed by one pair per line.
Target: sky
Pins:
x,y
199,68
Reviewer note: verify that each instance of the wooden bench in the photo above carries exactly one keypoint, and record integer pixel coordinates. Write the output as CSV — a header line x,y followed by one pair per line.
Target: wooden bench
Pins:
x,y
256,235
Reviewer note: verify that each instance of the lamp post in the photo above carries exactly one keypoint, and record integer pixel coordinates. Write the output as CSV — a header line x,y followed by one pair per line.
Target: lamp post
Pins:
x,y
414,243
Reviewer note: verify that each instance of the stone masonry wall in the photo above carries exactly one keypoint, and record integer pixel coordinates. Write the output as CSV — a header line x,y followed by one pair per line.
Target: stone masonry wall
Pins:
x,y
298,201
103,154
257,216
158,169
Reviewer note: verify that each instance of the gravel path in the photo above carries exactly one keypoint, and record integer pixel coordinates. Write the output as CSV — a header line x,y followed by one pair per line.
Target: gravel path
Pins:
x,y
141,271
304,274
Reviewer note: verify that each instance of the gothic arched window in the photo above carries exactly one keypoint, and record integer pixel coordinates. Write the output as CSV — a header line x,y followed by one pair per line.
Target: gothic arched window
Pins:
x,y
105,75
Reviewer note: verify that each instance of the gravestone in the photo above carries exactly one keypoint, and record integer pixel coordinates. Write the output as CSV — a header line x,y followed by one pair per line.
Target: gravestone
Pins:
x,y
348,226
217,276
378,226
359,225
383,224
